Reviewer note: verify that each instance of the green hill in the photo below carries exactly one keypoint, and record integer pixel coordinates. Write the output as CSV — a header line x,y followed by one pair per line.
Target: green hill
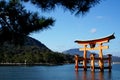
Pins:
x,y
31,52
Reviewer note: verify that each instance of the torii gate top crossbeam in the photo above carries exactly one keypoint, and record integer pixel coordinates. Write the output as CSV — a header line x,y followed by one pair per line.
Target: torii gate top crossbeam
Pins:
x,y
100,40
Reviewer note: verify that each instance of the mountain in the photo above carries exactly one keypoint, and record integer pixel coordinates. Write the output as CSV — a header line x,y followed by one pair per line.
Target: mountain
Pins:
x,y
31,52
33,42
73,51
76,51
80,53
115,59
31,45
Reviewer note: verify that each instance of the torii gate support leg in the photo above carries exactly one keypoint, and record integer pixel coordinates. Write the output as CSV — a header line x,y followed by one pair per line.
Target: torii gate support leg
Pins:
x,y
76,62
101,62
85,58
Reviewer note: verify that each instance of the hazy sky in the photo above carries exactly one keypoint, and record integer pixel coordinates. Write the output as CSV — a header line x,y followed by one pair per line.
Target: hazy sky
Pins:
x,y
100,21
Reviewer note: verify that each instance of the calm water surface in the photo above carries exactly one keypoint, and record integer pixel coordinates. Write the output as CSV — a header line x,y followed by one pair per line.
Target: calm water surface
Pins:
x,y
63,72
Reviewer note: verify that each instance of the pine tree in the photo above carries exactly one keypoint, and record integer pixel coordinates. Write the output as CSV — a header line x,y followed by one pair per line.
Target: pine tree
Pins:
x,y
16,22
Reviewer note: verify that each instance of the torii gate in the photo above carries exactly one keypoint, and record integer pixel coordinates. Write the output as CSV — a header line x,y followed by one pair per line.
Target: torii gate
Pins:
x,y
92,44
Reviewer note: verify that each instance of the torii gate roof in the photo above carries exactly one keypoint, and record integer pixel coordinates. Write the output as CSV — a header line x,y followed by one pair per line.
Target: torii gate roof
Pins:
x,y
109,37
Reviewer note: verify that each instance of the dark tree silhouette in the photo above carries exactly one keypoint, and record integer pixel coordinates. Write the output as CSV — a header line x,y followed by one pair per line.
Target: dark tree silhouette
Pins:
x,y
16,22
74,6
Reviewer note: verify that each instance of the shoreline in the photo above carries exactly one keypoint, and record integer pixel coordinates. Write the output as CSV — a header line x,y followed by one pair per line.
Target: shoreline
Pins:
x,y
115,62
29,64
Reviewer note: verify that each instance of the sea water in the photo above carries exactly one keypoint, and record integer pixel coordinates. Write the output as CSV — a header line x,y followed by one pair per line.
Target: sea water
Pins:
x,y
61,72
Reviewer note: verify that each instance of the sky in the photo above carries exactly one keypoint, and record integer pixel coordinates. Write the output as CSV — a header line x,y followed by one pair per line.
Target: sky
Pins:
x,y
100,21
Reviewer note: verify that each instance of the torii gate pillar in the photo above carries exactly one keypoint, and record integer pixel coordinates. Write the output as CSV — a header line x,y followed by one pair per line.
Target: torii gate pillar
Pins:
x,y
85,58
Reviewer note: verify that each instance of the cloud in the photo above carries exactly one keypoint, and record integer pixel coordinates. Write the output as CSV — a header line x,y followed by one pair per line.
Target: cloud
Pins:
x,y
93,30
99,17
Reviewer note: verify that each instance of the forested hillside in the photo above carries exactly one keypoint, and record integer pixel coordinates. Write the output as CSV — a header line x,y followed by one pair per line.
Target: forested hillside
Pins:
x,y
31,52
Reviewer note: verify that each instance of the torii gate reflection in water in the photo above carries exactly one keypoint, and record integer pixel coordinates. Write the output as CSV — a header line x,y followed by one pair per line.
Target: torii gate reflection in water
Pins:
x,y
100,47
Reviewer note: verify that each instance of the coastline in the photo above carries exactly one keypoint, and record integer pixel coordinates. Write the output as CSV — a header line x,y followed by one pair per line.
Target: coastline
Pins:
x,y
29,64
115,62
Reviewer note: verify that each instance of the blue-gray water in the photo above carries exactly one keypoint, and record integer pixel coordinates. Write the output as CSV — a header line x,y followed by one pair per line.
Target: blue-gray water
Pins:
x,y
63,72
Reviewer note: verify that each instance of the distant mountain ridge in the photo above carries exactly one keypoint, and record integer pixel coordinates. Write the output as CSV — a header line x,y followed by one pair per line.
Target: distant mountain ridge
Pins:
x,y
76,51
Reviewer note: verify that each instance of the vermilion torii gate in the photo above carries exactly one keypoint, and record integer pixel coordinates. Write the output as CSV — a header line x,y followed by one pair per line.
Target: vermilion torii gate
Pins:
x,y
95,44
